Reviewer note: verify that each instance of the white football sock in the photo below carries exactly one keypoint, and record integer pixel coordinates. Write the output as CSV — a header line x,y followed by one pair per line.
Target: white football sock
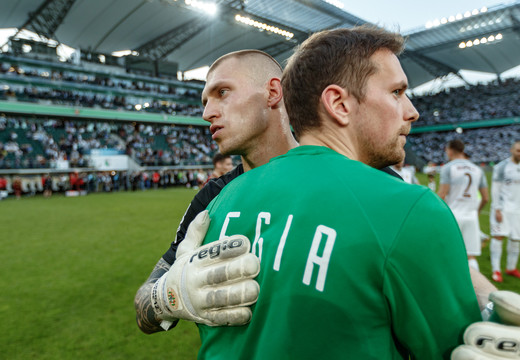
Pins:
x,y
495,249
513,249
474,264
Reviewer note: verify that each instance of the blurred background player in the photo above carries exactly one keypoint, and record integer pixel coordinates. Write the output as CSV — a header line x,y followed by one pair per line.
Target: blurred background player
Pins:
x,y
222,164
460,184
406,172
505,213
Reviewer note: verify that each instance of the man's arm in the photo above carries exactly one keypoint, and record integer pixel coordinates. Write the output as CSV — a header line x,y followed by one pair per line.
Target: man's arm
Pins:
x,y
444,189
482,286
146,318
485,198
427,282
444,182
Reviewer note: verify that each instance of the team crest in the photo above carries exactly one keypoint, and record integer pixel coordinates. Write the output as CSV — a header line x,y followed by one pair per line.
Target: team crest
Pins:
x,y
172,298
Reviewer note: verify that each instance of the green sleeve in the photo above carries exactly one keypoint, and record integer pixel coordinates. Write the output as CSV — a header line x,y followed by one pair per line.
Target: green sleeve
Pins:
x,y
427,283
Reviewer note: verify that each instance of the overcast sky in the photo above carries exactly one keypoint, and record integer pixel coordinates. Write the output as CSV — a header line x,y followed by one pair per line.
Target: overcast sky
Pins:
x,y
409,14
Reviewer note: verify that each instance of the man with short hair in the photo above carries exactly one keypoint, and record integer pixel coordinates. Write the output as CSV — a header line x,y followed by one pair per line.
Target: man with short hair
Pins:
x,y
212,299
222,164
505,214
460,184
347,277
249,121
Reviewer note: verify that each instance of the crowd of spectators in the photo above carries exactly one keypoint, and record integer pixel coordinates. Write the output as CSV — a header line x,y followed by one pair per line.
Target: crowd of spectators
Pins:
x,y
180,101
471,103
101,181
483,145
43,143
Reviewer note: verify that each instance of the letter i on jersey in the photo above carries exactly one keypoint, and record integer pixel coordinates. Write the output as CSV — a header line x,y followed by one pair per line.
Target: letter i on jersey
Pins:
x,y
321,261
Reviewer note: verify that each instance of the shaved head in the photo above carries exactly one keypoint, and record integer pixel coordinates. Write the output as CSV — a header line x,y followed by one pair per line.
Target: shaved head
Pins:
x,y
260,66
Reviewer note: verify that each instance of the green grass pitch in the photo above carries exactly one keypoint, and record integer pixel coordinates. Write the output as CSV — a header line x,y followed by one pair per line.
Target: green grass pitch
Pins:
x,y
70,268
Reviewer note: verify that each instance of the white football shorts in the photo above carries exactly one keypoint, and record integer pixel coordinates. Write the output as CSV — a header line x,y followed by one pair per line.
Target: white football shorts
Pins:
x,y
510,225
470,229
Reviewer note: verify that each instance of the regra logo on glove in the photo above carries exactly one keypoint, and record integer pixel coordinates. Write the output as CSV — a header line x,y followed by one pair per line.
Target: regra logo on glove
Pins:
x,y
214,250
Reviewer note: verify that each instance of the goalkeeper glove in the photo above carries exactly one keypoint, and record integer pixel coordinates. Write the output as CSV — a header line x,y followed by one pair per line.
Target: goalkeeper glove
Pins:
x,y
488,340
211,284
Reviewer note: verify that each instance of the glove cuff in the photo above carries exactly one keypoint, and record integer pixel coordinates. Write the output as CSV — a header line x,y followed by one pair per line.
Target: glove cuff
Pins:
x,y
159,301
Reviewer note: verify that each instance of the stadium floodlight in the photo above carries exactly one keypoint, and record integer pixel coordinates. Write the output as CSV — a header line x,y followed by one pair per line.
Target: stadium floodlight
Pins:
x,y
262,26
474,12
484,9
428,25
444,20
206,6
336,3
458,16
451,18
481,41
121,53
138,107
467,14
436,22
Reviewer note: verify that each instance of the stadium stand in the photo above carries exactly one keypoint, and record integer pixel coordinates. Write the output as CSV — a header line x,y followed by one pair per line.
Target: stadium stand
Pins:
x,y
46,82
471,103
40,143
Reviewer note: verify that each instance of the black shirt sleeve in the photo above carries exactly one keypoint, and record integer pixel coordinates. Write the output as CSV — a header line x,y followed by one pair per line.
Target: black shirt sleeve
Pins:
x,y
199,203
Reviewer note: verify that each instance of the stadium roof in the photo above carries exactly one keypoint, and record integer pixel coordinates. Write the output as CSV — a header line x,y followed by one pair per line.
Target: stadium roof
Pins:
x,y
184,31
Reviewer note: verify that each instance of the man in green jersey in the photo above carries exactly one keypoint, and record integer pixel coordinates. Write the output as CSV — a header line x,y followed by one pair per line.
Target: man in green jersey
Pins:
x,y
341,277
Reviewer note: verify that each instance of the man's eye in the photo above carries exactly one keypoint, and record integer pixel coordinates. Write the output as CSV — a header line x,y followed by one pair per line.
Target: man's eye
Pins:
x,y
397,92
222,92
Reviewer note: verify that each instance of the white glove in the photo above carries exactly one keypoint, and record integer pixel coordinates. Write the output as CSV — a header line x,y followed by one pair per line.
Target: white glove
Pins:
x,y
212,284
486,340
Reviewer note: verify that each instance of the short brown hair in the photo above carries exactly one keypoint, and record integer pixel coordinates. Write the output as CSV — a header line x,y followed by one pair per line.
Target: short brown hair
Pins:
x,y
219,157
456,145
341,57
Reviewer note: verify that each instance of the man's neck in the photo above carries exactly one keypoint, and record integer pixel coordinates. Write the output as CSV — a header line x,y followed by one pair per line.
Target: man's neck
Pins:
x,y
328,138
457,157
276,144
514,160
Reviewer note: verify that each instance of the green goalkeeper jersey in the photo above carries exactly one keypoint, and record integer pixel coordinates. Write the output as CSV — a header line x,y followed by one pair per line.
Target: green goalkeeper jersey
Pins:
x,y
355,264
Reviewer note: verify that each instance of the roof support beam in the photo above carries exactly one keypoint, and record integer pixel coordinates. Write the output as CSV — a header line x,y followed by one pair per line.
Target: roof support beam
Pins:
x,y
432,66
163,45
168,42
47,18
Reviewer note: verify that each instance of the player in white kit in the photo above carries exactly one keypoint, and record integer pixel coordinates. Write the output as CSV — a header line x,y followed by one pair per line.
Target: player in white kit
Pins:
x,y
407,173
505,213
460,183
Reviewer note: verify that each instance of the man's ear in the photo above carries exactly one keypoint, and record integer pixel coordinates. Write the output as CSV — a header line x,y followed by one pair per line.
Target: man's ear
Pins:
x,y
275,93
335,102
